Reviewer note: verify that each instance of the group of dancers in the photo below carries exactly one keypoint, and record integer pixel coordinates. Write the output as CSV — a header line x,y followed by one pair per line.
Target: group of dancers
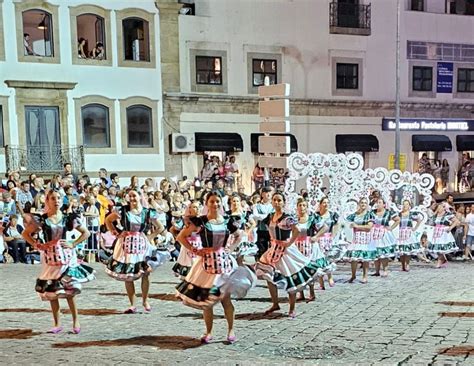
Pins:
x,y
299,249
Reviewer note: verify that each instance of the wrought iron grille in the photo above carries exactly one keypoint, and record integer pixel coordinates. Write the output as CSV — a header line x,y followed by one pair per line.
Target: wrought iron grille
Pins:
x,y
348,15
44,158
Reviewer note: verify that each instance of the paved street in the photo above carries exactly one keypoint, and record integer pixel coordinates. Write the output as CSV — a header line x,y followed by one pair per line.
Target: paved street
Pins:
x,y
396,321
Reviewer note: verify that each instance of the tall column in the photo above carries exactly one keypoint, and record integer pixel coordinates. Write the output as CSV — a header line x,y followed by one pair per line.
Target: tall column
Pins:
x,y
170,80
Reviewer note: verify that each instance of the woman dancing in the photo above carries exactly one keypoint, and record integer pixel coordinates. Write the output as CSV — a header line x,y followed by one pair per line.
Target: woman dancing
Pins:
x,y
329,227
308,245
442,242
186,258
247,223
282,264
360,249
215,275
382,236
61,276
134,256
408,245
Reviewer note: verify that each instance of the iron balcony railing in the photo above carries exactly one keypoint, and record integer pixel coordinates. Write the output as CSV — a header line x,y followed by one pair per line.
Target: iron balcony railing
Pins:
x,y
44,158
346,15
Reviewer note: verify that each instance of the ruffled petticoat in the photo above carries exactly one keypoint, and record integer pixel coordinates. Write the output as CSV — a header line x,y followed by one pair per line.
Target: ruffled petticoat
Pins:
x,y
134,257
186,258
440,241
361,249
384,242
287,268
61,276
212,277
312,251
408,243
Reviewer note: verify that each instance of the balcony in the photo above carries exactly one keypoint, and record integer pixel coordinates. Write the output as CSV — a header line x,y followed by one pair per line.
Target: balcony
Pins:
x,y
351,19
47,159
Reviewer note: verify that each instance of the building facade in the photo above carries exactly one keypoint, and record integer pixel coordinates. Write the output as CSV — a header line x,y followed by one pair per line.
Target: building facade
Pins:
x,y
81,83
340,59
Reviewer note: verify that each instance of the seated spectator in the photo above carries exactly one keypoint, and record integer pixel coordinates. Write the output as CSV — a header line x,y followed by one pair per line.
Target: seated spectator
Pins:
x,y
98,52
167,242
81,45
7,206
32,255
16,243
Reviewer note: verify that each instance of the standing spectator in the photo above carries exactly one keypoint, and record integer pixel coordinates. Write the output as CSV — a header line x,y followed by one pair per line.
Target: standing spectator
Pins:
x,y
28,50
36,186
91,213
23,196
16,243
241,193
445,173
115,180
68,172
258,177
235,170
424,165
461,228
469,234
102,176
134,182
207,170
464,177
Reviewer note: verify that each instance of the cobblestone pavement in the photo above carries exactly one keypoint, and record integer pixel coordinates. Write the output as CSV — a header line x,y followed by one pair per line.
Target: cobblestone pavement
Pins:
x,y
401,320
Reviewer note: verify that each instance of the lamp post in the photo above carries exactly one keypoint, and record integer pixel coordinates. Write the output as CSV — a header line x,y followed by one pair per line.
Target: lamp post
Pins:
x,y
397,93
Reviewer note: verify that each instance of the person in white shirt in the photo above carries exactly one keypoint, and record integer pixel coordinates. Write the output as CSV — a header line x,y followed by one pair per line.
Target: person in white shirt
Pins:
x,y
469,234
260,211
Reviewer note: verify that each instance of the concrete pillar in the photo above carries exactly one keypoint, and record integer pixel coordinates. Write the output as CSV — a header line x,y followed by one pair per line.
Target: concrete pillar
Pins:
x,y
169,49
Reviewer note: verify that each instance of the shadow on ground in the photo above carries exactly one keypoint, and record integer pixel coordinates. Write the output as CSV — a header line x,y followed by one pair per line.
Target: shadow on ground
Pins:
x,y
92,312
164,342
17,333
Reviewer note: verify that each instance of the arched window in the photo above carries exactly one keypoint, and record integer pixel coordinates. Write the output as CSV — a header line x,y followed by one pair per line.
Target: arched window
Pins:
x,y
136,39
91,37
95,125
139,126
37,33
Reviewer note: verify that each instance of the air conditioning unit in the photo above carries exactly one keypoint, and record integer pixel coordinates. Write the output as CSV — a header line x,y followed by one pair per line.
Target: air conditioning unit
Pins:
x,y
183,142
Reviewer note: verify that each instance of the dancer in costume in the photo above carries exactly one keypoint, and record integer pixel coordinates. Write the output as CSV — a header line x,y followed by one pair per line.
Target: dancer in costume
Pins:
x,y
134,256
360,249
408,244
327,224
308,245
442,241
186,257
215,275
61,276
282,265
237,214
260,212
385,221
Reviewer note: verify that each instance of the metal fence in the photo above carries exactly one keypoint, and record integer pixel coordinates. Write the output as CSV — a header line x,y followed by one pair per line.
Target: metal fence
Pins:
x,y
44,158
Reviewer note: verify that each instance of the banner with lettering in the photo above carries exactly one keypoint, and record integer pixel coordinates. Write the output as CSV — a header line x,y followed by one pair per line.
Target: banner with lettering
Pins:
x,y
428,124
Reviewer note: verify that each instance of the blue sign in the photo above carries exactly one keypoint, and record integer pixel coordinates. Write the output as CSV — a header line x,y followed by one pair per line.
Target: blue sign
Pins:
x,y
445,77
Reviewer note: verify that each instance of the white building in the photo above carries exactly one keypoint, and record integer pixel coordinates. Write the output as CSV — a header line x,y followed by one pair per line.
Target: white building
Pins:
x,y
57,96
340,59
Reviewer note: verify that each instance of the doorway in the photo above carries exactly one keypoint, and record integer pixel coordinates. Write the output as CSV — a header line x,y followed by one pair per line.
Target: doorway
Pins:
x,y
43,141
